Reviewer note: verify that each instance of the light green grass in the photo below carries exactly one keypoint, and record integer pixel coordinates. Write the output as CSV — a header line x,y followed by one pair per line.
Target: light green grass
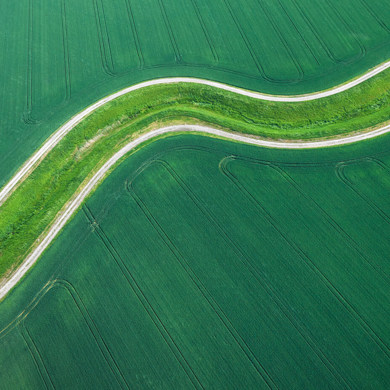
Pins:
x,y
33,206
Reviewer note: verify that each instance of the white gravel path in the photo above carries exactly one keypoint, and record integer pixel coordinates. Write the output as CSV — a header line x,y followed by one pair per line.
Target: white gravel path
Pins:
x,y
56,137
76,202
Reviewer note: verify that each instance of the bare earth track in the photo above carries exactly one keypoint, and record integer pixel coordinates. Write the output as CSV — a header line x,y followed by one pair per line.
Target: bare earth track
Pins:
x,y
72,206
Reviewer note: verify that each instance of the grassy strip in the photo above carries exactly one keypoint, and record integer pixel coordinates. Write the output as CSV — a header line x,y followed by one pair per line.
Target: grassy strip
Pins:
x,y
35,203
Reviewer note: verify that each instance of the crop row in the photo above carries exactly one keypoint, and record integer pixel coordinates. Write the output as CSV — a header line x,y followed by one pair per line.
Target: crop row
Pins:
x,y
317,269
190,272
294,58
135,287
45,54
231,246
367,192
248,263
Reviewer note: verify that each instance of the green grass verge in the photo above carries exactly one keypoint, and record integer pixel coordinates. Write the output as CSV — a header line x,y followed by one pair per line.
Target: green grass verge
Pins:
x,y
35,203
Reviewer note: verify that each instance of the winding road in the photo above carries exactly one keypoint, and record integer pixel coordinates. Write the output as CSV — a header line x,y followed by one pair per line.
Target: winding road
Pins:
x,y
71,207
57,136
76,202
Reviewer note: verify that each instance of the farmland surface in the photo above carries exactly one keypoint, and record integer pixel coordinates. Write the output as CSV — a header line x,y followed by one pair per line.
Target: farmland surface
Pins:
x,y
197,262
60,56
205,263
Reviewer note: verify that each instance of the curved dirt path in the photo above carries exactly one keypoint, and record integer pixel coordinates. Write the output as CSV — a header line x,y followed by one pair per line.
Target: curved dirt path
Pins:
x,y
56,137
71,207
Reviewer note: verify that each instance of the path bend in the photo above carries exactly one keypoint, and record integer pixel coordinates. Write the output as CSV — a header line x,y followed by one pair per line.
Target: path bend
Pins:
x,y
71,207
57,136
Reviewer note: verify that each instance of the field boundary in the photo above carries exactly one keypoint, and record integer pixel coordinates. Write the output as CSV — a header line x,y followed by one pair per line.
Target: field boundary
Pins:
x,y
70,208
58,135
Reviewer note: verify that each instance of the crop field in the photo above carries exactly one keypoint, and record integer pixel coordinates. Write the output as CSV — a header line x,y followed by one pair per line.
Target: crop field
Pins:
x,y
202,263
197,262
63,55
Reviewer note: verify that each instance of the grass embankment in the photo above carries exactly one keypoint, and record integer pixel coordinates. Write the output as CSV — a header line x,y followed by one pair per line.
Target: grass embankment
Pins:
x,y
35,203
46,79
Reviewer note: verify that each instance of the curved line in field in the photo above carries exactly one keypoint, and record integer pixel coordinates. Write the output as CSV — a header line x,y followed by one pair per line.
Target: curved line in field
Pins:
x,y
57,136
44,241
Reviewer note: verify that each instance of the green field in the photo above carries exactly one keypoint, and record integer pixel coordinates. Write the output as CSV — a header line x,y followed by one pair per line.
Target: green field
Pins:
x,y
205,263
197,263
60,56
